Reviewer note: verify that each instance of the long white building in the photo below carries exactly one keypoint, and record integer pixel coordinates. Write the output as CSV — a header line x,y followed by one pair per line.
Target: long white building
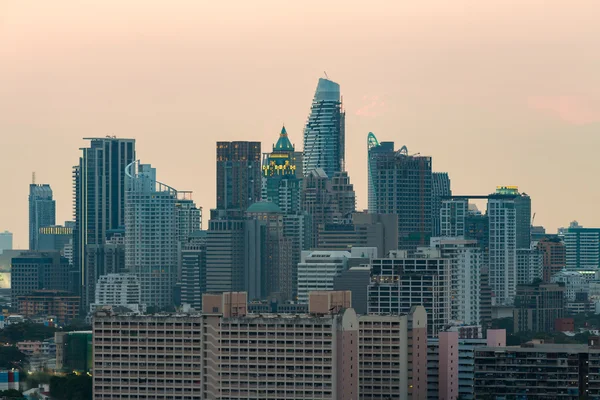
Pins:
x,y
466,260
151,234
317,269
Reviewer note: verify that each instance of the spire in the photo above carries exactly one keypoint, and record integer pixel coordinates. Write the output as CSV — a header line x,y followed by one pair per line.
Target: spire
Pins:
x,y
283,144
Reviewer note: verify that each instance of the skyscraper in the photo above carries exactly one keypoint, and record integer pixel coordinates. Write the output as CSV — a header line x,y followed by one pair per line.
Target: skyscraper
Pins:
x,y
280,183
238,175
99,191
509,215
401,184
582,247
324,134
151,234
42,212
440,189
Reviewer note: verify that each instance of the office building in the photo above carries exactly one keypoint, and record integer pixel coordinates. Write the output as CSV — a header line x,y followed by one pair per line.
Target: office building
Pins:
x,y
54,238
42,211
6,241
317,270
530,266
343,194
225,255
485,300
36,271
366,230
275,269
188,216
402,185
193,269
99,191
466,260
453,213
62,305
318,203
238,175
582,247
554,256
122,290
440,189
356,280
400,282
509,216
280,172
151,234
538,371
324,134
537,306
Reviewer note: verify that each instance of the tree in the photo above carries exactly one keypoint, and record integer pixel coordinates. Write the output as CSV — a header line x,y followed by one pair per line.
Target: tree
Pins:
x,y
11,357
15,333
71,387
11,394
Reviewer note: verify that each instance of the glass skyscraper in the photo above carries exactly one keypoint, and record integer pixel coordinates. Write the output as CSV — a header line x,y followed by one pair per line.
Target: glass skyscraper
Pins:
x,y
42,212
324,134
99,191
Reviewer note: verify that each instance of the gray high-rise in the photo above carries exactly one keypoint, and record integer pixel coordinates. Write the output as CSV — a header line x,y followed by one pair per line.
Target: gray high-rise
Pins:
x,y
99,189
42,212
324,134
400,184
440,189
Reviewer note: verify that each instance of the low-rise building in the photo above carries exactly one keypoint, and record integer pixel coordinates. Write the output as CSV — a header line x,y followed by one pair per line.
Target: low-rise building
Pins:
x,y
537,306
63,305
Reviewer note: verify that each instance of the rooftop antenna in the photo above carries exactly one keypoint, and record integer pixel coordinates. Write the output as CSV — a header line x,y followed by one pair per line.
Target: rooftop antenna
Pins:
x,y
325,72
33,177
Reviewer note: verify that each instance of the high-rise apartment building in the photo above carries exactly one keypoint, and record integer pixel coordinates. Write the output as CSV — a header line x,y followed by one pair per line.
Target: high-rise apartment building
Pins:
x,y
187,215
530,266
509,216
450,363
554,256
227,353
466,260
440,189
193,269
402,185
99,192
400,282
324,134
582,247
238,175
6,241
151,234
343,194
453,214
36,271
42,211
538,371
537,306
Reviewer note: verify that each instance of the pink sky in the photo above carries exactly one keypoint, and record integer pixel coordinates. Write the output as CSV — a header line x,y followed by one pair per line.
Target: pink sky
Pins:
x,y
498,92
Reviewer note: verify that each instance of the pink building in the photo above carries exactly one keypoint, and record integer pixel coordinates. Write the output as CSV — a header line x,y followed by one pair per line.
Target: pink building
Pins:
x,y
417,345
30,347
448,366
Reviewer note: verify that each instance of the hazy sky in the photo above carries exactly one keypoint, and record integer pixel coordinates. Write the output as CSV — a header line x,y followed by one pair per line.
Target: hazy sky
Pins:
x,y
498,92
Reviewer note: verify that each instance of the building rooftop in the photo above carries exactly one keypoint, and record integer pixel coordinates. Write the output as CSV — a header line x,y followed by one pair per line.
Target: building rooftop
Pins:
x,y
283,144
264,207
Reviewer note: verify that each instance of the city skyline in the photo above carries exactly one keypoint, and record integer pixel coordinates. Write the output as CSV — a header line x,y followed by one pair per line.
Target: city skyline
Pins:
x,y
467,115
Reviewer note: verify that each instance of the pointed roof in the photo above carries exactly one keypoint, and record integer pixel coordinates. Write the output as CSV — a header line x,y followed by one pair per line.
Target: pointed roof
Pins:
x,y
283,144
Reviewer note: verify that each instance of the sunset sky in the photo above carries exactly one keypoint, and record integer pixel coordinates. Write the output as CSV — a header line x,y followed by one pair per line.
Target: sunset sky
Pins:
x,y
498,92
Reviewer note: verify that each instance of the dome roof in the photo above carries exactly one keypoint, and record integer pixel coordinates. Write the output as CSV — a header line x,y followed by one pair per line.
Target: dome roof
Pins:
x,y
284,142
264,207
